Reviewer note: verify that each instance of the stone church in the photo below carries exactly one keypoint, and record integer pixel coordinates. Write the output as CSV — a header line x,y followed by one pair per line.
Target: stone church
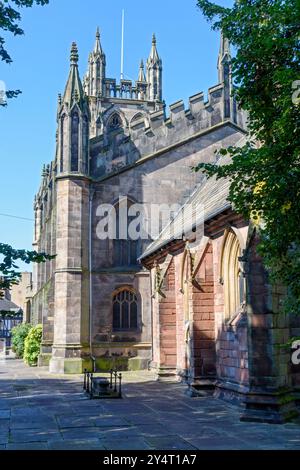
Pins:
x,y
200,311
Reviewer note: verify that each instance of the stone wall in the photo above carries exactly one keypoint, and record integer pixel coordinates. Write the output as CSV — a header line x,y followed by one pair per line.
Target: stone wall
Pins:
x,y
241,353
183,317
218,347
166,179
168,323
128,345
204,317
153,132
148,159
231,334
269,398
20,292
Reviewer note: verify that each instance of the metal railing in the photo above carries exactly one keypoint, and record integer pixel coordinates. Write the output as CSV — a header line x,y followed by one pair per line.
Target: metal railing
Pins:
x,y
103,387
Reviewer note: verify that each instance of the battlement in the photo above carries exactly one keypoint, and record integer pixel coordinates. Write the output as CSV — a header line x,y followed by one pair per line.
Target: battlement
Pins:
x,y
156,131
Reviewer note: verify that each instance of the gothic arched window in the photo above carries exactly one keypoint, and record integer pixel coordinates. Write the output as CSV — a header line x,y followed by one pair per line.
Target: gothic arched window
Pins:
x,y
125,250
63,142
115,122
85,145
232,275
74,142
125,310
136,117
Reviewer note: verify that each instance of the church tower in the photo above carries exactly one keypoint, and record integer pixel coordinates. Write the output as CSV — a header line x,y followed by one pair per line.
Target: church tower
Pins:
x,y
154,74
71,278
73,124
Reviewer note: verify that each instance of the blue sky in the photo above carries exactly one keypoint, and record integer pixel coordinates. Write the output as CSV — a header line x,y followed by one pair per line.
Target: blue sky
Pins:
x,y
186,44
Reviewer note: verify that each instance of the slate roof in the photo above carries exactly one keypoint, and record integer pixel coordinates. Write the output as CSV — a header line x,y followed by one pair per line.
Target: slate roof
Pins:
x,y
7,305
208,200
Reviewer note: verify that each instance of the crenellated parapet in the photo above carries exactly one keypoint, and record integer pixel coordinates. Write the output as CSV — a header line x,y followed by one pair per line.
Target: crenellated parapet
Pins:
x,y
155,131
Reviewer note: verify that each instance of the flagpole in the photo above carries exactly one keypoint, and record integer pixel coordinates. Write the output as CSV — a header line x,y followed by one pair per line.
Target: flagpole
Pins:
x,y
122,45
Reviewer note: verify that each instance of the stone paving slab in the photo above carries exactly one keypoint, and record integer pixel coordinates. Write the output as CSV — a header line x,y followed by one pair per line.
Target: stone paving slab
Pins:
x,y
142,418
126,444
128,407
75,421
184,430
119,432
34,435
152,430
79,444
170,443
57,409
77,433
88,408
41,411
221,443
28,446
109,421
33,422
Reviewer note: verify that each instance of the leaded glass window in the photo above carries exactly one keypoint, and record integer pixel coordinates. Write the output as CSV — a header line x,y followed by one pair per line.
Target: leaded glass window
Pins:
x,y
125,310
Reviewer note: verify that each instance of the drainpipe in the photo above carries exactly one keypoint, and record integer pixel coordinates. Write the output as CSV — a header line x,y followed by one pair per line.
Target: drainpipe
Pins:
x,y
91,279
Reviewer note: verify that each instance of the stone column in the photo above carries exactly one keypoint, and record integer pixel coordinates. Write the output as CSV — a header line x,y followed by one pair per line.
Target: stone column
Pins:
x,y
70,353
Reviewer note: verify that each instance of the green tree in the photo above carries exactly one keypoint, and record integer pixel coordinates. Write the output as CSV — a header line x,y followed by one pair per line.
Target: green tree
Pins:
x,y
9,270
265,173
10,18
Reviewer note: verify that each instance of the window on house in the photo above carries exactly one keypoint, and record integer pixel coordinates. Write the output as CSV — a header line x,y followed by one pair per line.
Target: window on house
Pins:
x,y
232,276
125,310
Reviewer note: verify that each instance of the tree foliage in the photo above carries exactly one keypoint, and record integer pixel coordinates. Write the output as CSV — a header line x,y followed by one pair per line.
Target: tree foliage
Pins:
x,y
18,335
265,178
10,18
32,346
9,271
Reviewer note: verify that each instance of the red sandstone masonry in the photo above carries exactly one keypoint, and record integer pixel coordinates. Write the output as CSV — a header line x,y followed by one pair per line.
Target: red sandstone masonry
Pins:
x,y
231,341
203,316
167,321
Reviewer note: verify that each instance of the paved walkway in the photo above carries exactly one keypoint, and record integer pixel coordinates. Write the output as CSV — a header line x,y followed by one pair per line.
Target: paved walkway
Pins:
x,y
41,411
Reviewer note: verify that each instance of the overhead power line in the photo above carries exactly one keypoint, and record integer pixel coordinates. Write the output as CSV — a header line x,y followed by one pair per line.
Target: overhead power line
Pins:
x,y
16,217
